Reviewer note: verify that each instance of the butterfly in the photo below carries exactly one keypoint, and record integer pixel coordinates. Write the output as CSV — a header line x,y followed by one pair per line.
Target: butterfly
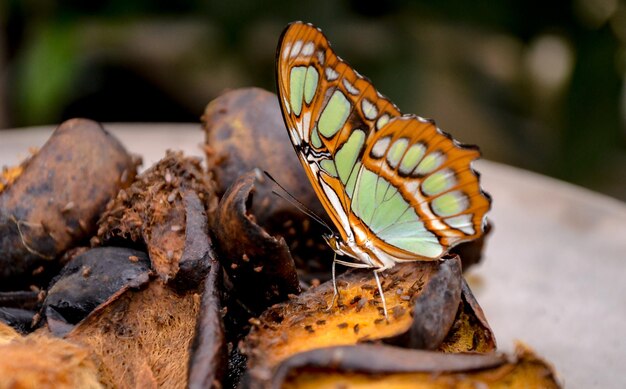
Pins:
x,y
395,186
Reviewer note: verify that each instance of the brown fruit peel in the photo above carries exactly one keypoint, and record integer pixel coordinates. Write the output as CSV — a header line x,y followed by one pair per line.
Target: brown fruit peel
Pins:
x,y
259,266
55,202
303,323
377,366
245,131
151,328
208,355
153,210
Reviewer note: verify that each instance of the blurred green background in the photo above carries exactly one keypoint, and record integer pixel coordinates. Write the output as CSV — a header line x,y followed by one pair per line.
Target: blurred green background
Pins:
x,y
537,84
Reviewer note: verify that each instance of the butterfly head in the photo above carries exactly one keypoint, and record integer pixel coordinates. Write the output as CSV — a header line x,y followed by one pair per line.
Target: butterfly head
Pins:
x,y
334,241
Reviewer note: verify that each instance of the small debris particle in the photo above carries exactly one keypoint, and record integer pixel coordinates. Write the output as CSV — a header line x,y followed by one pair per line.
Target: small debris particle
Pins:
x,y
124,176
397,311
68,207
405,297
309,329
342,325
399,291
320,322
168,177
170,254
233,266
379,320
245,257
176,228
83,225
254,321
34,288
361,304
356,328
86,271
171,197
258,269
315,282
38,270
292,296
133,258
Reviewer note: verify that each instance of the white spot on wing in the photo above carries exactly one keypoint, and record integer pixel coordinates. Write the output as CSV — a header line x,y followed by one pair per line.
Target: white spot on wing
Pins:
x,y
369,109
308,49
321,57
286,105
382,120
412,186
350,88
306,121
331,74
380,147
461,222
286,50
295,50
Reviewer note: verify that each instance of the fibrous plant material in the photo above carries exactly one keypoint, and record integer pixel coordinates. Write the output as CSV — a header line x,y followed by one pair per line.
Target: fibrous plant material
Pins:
x,y
377,366
156,210
141,338
423,299
57,197
42,361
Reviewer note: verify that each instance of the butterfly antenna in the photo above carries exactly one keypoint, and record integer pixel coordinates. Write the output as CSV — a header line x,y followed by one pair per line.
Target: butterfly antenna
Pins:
x,y
297,203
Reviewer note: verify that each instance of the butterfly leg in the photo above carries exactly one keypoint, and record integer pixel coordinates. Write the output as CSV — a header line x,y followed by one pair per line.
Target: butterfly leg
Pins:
x,y
380,291
336,291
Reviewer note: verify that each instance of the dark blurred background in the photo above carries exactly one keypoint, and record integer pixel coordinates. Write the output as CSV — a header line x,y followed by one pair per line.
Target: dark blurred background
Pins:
x,y
537,84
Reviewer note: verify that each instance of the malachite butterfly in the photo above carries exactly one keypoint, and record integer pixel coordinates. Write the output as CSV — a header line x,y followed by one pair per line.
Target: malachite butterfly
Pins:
x,y
396,187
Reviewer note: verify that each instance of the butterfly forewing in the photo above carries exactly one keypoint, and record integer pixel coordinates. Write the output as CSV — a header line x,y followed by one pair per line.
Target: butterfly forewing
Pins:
x,y
324,102
396,182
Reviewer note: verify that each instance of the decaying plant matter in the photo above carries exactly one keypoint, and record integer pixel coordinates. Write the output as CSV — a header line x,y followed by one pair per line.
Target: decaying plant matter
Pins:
x,y
245,132
198,277
52,201
384,367
423,300
89,280
156,210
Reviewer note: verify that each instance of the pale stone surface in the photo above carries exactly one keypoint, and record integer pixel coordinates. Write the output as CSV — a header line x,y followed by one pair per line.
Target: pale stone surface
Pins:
x,y
555,266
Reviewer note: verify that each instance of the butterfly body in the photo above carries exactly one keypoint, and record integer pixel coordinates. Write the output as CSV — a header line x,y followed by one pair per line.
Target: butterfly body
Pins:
x,y
395,186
